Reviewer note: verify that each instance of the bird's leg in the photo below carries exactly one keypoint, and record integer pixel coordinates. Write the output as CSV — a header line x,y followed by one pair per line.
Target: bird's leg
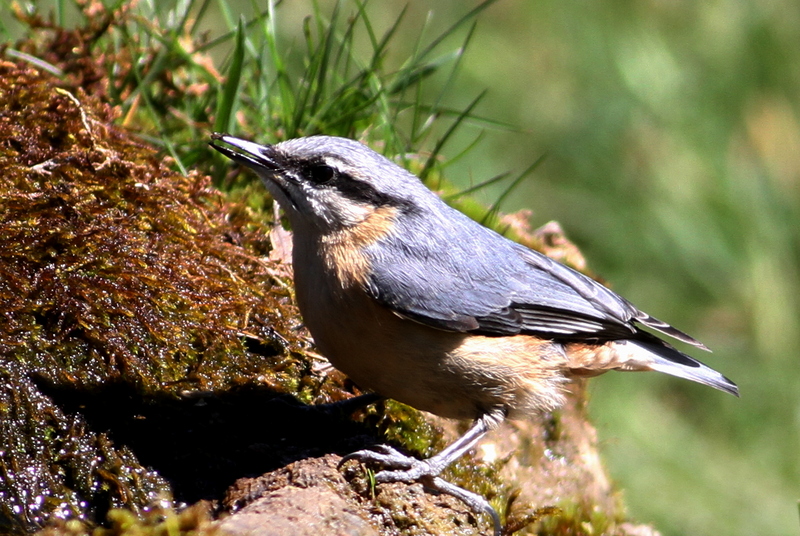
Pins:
x,y
404,468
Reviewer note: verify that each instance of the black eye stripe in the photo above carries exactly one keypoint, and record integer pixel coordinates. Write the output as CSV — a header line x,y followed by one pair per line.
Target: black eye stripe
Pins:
x,y
320,173
360,191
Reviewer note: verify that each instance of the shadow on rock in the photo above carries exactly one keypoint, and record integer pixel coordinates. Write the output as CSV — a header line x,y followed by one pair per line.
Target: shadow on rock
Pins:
x,y
202,443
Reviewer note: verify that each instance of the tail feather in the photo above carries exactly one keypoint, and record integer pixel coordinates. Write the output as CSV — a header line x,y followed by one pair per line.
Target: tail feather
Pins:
x,y
662,357
666,329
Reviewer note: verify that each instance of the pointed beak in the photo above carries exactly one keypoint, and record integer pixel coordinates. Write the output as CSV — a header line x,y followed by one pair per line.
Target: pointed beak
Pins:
x,y
262,158
268,163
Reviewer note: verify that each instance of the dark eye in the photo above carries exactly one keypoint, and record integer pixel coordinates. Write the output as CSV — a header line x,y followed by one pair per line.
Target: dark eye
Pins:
x,y
320,173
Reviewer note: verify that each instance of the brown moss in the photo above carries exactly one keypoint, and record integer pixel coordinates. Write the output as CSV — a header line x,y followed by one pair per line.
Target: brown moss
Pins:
x,y
117,268
124,286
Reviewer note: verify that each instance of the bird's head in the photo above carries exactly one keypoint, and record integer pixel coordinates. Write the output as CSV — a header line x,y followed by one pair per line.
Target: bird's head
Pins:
x,y
328,182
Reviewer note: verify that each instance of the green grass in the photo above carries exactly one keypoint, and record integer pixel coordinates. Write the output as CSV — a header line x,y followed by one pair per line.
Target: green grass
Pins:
x,y
672,137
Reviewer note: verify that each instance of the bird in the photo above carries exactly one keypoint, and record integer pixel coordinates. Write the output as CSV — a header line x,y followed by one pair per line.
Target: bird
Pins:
x,y
415,301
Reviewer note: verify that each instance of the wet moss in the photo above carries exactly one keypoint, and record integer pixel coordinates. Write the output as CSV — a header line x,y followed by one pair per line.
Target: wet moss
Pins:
x,y
147,342
402,425
52,467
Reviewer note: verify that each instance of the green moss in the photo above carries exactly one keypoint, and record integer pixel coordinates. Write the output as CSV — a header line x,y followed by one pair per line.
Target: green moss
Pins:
x,y
403,425
576,520
195,521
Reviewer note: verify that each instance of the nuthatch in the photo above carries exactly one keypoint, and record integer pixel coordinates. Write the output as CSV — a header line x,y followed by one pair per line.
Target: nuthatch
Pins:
x,y
417,302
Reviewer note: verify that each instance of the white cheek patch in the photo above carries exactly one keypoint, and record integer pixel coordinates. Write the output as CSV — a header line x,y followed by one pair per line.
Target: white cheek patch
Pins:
x,y
335,210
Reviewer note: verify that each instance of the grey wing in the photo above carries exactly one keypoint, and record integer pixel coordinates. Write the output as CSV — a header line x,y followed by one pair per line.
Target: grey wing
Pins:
x,y
617,312
489,285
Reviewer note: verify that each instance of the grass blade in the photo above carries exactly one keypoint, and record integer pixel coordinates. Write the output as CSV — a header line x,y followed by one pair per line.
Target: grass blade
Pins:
x,y
493,210
230,90
445,34
449,132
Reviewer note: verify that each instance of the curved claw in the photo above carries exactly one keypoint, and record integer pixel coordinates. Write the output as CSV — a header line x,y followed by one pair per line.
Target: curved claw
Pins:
x,y
398,467
383,455
473,500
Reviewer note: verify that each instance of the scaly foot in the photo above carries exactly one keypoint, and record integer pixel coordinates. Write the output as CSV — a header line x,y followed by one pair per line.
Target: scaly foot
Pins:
x,y
399,467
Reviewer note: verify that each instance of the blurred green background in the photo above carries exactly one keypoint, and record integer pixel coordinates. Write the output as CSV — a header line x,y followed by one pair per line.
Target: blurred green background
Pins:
x,y
673,161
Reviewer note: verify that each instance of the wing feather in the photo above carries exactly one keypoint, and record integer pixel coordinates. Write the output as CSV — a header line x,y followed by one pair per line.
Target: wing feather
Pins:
x,y
487,284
